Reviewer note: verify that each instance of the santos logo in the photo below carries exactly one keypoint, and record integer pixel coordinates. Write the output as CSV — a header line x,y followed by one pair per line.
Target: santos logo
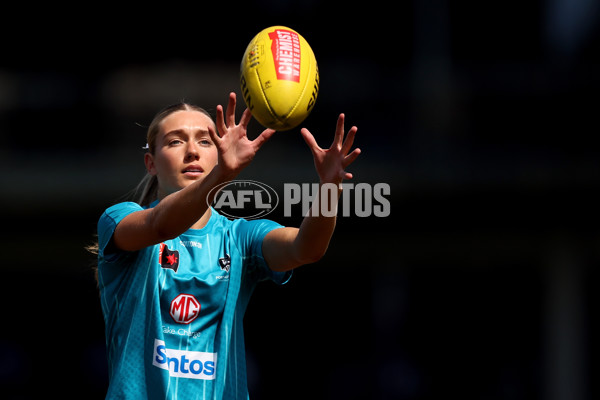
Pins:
x,y
184,364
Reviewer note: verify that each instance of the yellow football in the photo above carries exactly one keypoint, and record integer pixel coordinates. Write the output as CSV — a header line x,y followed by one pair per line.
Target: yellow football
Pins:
x,y
279,78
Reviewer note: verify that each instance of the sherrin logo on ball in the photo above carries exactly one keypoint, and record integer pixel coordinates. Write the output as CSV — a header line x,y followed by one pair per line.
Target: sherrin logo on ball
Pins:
x,y
279,78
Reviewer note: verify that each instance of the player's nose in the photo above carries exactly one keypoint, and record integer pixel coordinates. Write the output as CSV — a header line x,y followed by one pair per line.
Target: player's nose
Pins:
x,y
192,153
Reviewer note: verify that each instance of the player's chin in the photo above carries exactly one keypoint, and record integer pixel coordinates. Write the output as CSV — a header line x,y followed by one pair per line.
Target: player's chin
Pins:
x,y
187,180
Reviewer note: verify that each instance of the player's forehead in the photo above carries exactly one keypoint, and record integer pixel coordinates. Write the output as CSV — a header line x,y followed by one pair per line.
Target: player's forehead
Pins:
x,y
185,120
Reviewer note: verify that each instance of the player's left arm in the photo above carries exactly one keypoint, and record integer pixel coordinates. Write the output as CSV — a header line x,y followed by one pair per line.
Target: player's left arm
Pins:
x,y
288,248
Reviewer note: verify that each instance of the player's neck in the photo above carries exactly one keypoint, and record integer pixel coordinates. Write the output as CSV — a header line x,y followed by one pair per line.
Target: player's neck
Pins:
x,y
201,223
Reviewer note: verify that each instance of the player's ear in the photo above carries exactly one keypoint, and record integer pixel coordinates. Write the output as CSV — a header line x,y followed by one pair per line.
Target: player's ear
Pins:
x,y
149,162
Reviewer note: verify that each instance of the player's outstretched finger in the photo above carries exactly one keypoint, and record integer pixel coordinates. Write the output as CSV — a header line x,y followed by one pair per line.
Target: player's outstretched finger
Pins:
x,y
220,123
310,140
245,119
230,114
349,140
339,132
349,159
263,137
213,134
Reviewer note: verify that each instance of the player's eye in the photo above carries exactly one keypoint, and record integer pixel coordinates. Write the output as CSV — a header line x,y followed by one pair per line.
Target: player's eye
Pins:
x,y
175,142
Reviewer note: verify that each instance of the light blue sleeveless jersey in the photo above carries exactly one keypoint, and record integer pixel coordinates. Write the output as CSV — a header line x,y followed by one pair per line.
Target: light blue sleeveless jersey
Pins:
x,y
173,312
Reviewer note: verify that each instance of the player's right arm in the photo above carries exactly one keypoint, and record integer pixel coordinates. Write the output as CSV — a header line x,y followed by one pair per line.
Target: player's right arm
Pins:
x,y
178,211
171,217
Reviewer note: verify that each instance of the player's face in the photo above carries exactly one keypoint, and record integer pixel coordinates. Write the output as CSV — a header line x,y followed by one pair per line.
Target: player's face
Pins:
x,y
184,152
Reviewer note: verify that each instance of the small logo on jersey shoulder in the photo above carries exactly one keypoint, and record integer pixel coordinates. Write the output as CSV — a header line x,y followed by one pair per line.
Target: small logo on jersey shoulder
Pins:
x,y
225,263
168,259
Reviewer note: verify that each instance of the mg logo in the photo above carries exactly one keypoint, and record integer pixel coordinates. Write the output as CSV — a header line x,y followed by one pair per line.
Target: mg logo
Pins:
x,y
184,308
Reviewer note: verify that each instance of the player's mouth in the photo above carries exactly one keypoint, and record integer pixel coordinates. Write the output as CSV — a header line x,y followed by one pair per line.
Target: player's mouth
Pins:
x,y
193,170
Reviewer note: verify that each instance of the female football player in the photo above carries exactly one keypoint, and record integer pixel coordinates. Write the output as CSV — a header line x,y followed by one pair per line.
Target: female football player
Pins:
x,y
175,276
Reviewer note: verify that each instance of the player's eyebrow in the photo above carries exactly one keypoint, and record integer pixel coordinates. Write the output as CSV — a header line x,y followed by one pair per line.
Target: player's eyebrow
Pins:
x,y
179,132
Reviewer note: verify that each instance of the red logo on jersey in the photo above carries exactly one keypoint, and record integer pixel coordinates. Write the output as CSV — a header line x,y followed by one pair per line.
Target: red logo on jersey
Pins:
x,y
184,308
168,258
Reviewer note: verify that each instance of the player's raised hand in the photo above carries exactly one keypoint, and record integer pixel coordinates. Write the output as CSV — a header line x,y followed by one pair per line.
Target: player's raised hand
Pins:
x,y
331,163
236,151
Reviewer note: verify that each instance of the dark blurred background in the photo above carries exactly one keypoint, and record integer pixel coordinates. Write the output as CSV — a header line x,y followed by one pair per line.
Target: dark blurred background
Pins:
x,y
481,116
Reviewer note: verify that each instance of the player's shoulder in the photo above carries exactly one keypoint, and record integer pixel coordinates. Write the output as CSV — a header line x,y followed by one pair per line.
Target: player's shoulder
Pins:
x,y
240,223
125,205
117,212
254,227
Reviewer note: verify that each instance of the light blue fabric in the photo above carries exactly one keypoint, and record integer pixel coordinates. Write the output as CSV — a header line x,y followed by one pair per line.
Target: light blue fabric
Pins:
x,y
173,311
